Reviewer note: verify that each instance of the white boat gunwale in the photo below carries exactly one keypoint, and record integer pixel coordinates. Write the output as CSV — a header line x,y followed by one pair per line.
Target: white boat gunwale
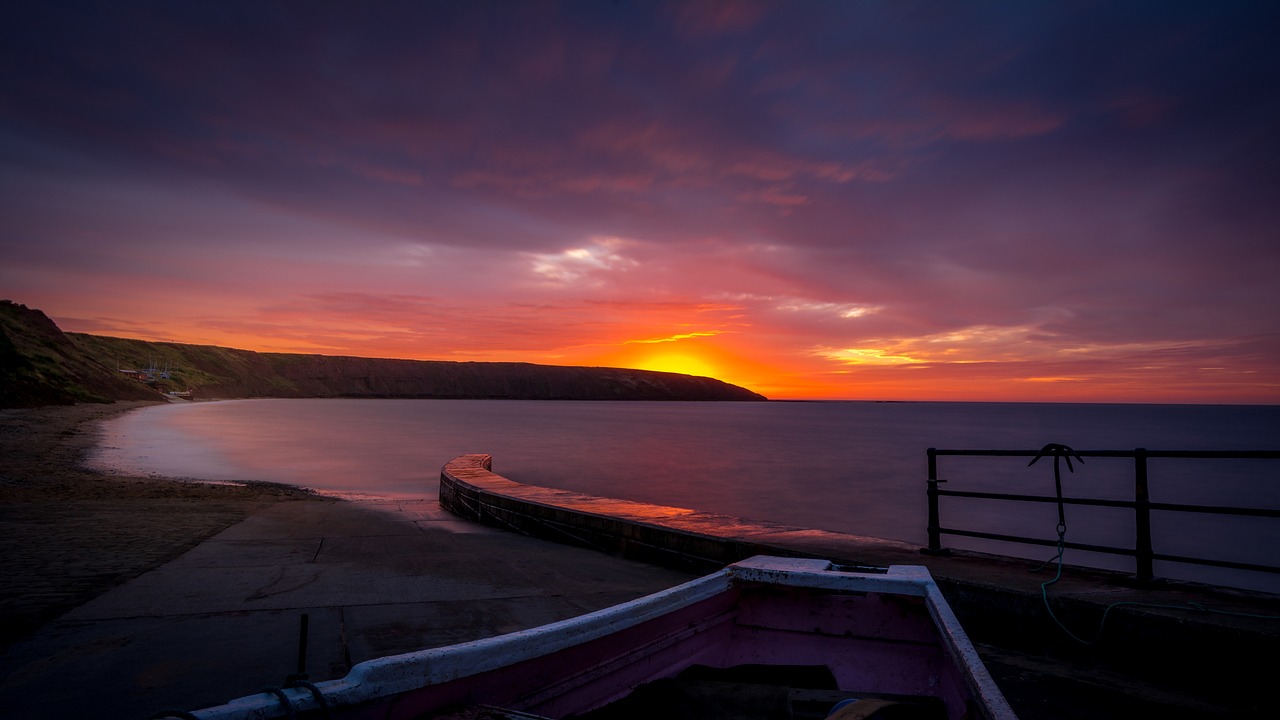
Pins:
x,y
386,677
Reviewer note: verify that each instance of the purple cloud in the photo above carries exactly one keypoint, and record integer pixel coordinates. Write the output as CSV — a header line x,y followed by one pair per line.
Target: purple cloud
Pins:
x,y
1015,183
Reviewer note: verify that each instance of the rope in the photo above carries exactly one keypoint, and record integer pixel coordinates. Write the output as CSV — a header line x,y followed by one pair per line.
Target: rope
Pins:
x,y
302,682
290,712
1062,452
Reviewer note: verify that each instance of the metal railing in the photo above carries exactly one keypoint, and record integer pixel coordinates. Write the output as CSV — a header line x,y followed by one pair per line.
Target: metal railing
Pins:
x,y
1141,505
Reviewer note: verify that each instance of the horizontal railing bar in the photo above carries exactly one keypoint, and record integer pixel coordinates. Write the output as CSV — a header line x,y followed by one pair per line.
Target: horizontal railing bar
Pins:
x,y
1141,504
1209,454
1222,454
1036,498
1216,510
1128,504
1111,550
1216,563
1029,453
1037,541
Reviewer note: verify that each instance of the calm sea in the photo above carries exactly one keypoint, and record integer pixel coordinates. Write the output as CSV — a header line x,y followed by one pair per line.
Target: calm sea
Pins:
x,y
854,467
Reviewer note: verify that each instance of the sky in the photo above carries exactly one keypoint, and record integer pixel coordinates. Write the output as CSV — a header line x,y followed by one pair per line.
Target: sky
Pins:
x,y
958,201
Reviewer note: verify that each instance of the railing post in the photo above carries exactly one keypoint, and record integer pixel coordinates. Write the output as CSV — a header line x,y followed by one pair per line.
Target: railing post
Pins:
x,y
1142,519
935,525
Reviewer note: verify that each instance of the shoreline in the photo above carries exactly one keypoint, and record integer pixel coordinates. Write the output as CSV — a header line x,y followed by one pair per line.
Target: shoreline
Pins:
x,y
69,533
125,595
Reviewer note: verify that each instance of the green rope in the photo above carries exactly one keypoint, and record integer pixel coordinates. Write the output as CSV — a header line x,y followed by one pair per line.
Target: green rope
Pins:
x,y
1192,606
1044,592
1062,451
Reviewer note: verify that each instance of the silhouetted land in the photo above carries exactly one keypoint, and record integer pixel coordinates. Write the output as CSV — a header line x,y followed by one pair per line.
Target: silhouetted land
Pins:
x,y
42,365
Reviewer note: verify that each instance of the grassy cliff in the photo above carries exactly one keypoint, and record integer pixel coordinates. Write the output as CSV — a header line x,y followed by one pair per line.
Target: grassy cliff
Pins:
x,y
39,365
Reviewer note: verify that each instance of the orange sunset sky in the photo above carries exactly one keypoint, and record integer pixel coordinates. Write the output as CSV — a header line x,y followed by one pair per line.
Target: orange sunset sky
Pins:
x,y
1001,201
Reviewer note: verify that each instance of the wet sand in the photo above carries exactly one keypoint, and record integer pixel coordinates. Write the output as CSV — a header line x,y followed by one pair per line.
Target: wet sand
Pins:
x,y
69,534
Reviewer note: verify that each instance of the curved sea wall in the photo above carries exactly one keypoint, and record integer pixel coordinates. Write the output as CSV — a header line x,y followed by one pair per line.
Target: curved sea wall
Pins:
x,y
672,536
996,599
667,535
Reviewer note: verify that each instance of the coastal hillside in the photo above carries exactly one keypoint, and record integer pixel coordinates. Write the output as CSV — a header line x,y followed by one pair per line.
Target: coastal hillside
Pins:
x,y
41,365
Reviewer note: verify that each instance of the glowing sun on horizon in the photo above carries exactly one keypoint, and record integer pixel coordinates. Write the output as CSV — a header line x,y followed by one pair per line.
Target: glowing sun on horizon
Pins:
x,y
679,363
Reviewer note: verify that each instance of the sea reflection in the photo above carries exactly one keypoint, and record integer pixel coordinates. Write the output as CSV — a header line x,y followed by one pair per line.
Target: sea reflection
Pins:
x,y
848,467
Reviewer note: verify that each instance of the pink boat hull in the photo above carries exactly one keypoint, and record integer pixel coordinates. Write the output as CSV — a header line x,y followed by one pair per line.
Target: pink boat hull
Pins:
x,y
880,634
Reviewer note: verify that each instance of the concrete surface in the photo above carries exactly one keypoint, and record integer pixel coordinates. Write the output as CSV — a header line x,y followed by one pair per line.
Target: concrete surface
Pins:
x,y
375,578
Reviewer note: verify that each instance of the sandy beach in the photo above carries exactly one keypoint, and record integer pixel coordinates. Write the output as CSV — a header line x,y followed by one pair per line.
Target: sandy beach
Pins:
x,y
68,534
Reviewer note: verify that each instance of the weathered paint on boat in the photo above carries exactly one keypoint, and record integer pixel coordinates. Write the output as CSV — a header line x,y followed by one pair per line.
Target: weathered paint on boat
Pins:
x,y
886,632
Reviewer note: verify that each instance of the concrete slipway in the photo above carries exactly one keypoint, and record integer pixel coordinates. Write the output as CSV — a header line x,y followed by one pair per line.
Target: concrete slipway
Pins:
x,y
377,578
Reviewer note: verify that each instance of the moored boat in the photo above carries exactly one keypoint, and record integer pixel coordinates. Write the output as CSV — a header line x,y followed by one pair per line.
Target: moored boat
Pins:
x,y
764,637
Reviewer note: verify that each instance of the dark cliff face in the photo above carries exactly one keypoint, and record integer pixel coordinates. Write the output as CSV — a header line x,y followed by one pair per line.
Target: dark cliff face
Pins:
x,y
90,362
319,375
227,373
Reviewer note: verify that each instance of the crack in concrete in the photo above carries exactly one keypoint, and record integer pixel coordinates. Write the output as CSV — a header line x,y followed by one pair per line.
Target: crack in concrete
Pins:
x,y
267,591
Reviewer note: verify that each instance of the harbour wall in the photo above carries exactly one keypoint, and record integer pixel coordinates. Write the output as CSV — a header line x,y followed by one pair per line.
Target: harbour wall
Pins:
x,y
1154,632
